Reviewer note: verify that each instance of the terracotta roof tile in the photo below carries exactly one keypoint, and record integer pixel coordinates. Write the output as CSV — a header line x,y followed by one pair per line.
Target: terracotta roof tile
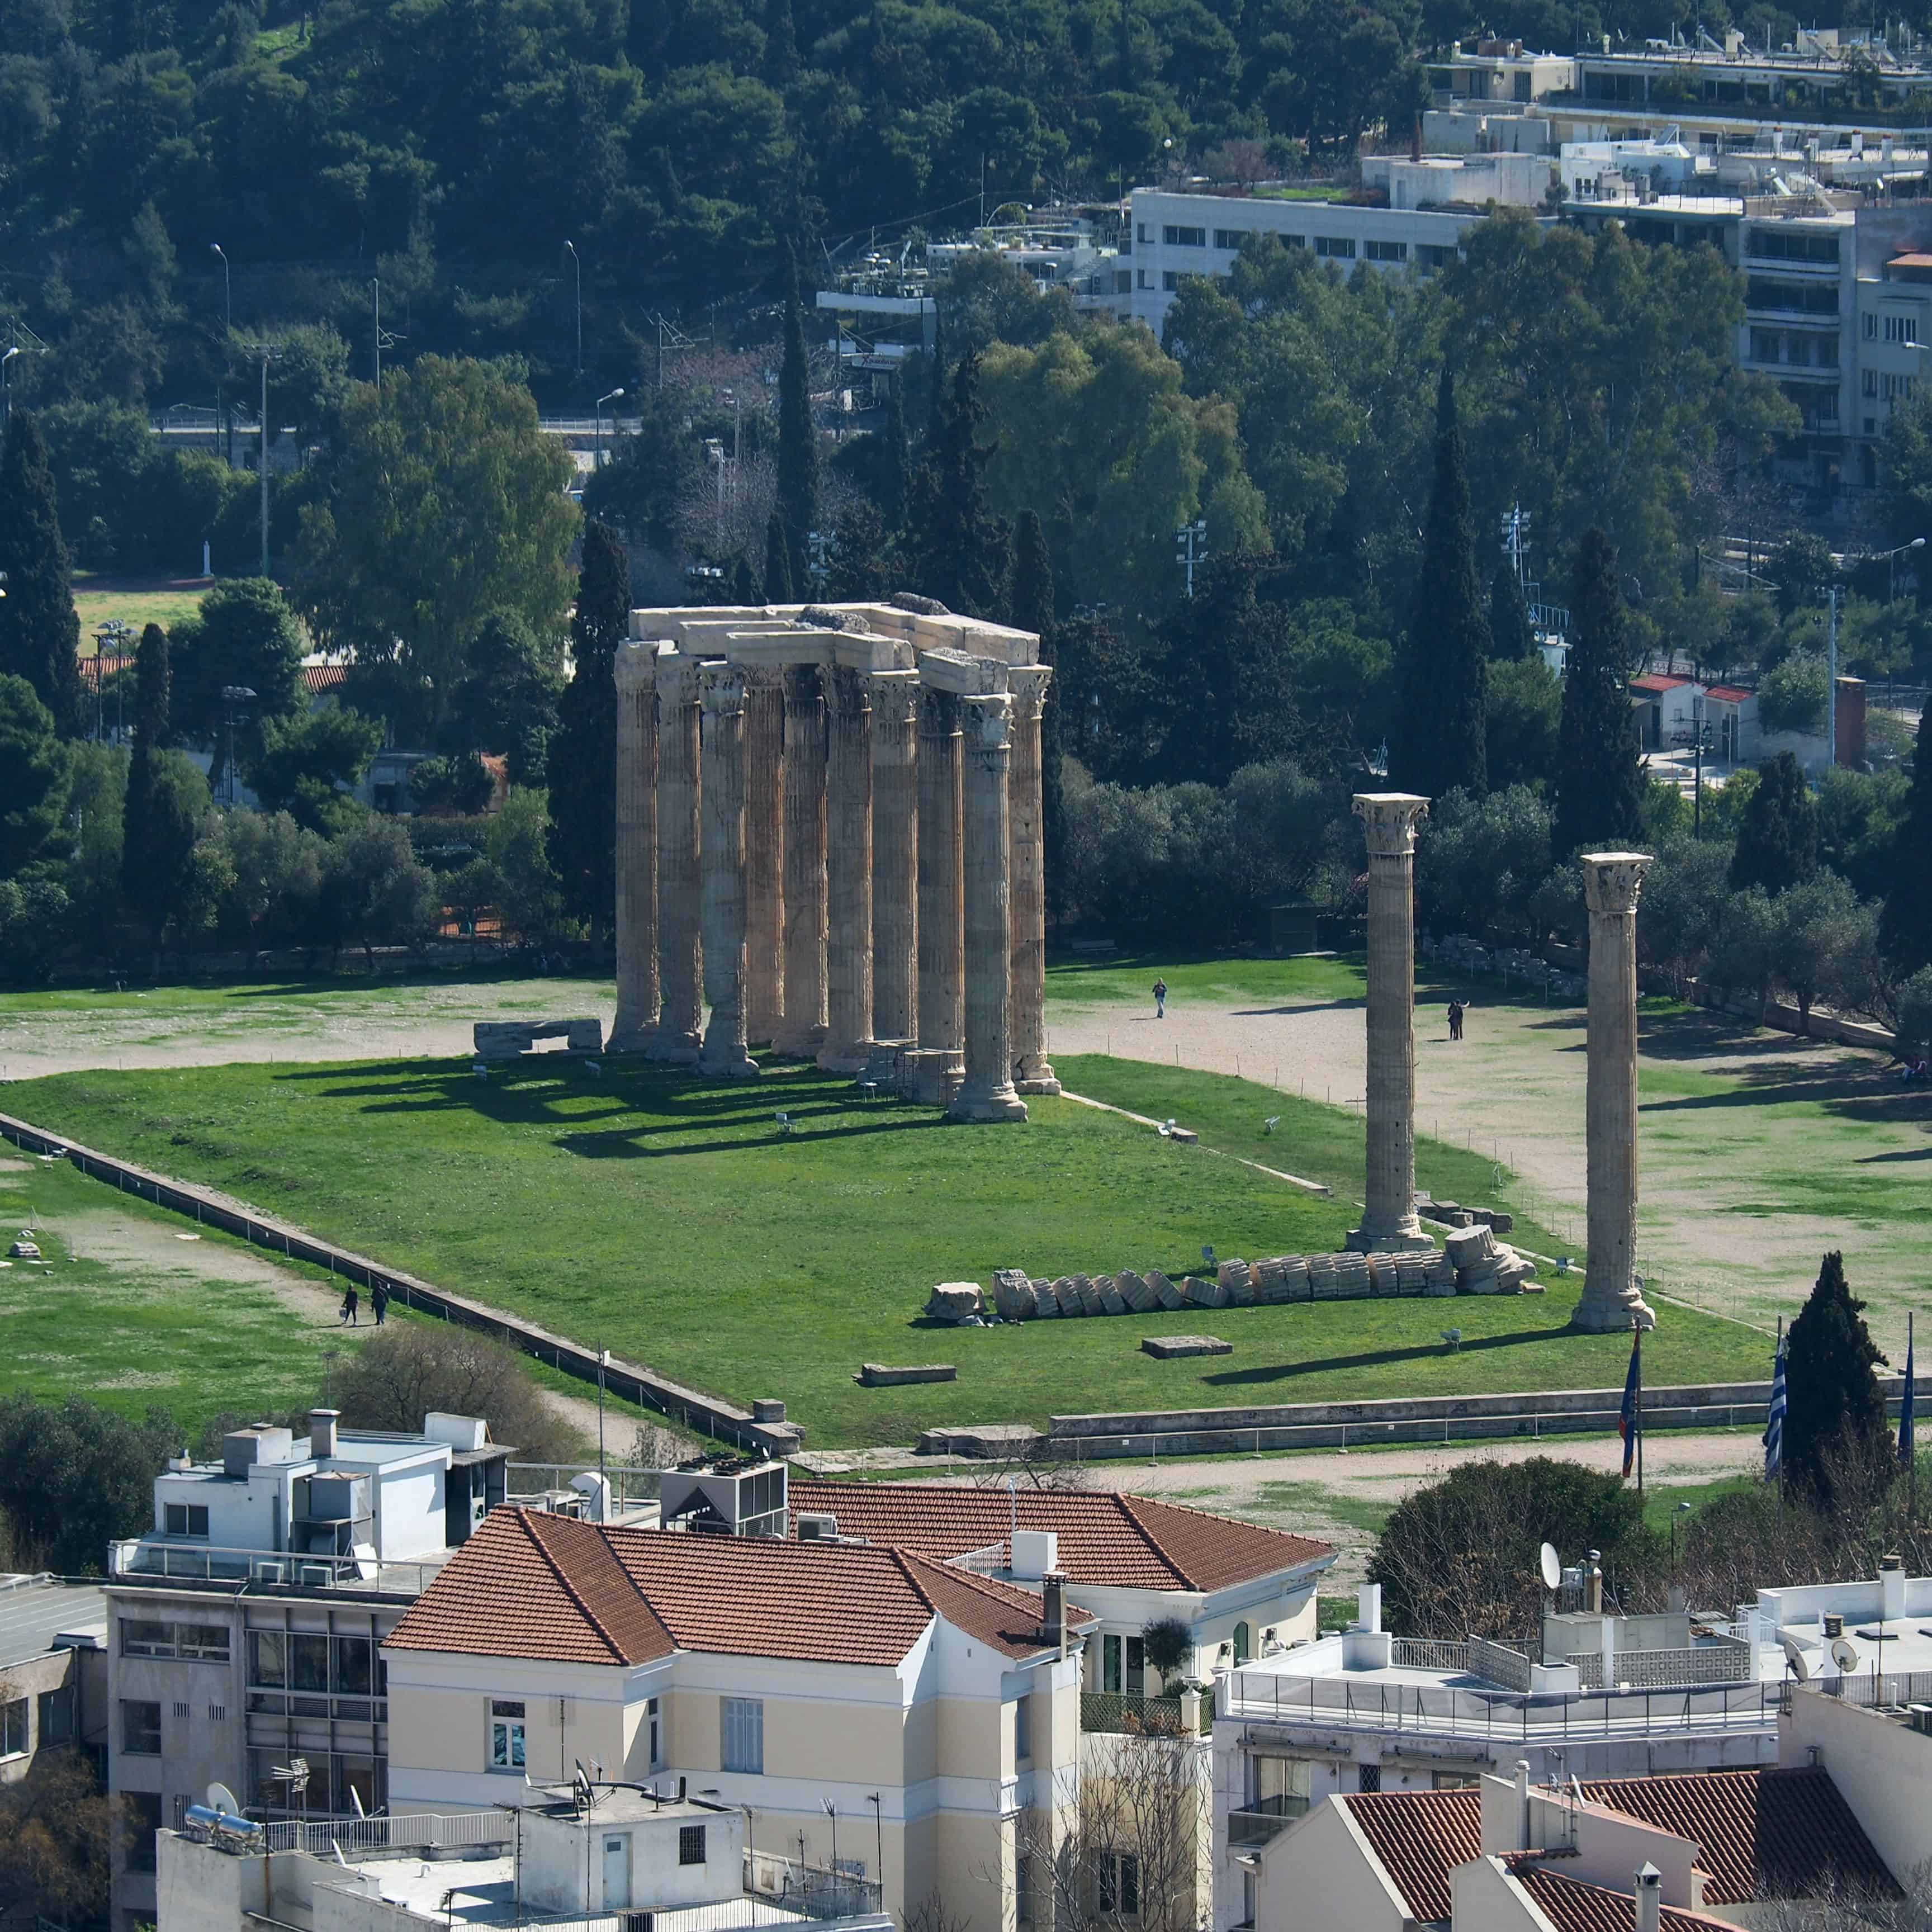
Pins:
x,y
1421,1837
599,1585
1106,1540
1571,1905
1764,1834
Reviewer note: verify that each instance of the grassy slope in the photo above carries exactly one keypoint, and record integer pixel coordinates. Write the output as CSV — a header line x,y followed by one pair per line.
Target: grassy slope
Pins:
x,y
673,1223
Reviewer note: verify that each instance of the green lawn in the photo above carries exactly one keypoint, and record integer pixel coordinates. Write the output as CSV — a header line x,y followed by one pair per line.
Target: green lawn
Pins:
x,y
1317,979
162,603
673,1221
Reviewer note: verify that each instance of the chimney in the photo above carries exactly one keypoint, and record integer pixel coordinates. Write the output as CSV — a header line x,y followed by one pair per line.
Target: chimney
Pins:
x,y
1523,1843
1053,1611
1415,139
1368,1607
1593,1602
1649,1899
322,1431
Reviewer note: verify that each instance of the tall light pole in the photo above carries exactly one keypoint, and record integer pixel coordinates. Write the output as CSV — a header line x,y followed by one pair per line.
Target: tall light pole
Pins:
x,y
262,461
6,385
577,268
597,432
376,295
221,367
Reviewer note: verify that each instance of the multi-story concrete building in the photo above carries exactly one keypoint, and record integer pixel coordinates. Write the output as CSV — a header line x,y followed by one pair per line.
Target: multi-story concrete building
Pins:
x,y
53,1670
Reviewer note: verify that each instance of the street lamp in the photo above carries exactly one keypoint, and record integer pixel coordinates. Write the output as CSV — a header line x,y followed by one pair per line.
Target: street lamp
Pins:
x,y
1682,1509
597,431
577,266
221,367
232,694
6,385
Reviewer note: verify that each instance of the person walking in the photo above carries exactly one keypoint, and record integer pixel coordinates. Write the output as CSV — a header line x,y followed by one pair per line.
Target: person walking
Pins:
x,y
379,1301
1160,999
350,1302
1456,1010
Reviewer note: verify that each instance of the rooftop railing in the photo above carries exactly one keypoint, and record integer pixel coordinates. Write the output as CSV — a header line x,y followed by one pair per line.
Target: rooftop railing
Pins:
x,y
152,1559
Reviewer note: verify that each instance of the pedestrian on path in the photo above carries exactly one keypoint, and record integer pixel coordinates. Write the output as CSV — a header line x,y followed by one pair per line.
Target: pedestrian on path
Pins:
x,y
1456,1012
1160,999
350,1301
378,1301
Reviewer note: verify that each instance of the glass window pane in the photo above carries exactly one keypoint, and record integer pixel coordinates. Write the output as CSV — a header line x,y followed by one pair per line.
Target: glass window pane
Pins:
x,y
308,1662
352,1671
269,1658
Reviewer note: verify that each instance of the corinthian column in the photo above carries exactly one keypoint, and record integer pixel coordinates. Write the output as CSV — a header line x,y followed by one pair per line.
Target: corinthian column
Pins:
x,y
1032,1073
1611,1299
848,943
723,1056
988,1092
803,1029
941,888
894,700
1389,1220
679,1010
636,848
764,855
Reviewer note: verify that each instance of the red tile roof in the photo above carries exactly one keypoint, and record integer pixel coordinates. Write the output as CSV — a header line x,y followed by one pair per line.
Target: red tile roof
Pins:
x,y
1731,693
1421,1837
1106,1540
1571,1905
528,1585
1767,1834
321,677
1657,681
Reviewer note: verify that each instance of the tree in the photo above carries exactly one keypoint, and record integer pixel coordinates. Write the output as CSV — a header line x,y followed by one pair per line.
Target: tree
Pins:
x,y
897,468
442,503
1511,640
1167,1643
1834,1414
40,634
507,701
1792,695
1033,610
517,841
33,801
778,586
583,786
959,546
1439,742
56,1840
1826,944
1479,862
374,891
797,506
308,766
149,861
244,637
1599,772
457,786
1237,652
1907,929
75,1477
1033,576
274,890
1777,837
1523,717
174,802
857,565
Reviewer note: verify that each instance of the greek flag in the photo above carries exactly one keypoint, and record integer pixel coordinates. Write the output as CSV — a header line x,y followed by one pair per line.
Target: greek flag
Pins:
x,y
1905,1404
1774,1427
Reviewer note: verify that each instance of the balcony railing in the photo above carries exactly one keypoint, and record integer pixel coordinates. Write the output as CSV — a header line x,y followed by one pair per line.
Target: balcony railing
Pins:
x,y
1263,1819
1129,1712
810,1891
143,1559
376,1837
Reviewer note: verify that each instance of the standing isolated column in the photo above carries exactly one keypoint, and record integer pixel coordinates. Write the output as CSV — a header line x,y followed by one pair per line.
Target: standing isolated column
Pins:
x,y
723,1056
764,855
679,1010
988,1092
941,887
894,701
1611,1299
1032,1071
1389,1221
848,943
636,848
802,1032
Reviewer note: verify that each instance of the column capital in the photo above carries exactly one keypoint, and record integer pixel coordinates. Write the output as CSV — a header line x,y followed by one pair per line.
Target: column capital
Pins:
x,y
844,689
721,687
894,696
1612,881
676,676
1028,684
636,666
1389,820
987,723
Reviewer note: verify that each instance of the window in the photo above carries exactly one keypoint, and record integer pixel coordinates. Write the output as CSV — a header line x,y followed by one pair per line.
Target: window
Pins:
x,y
140,1728
13,1728
1119,1884
1184,238
1898,386
1794,297
202,1643
1868,382
506,1736
56,1716
146,1639
1023,1889
1901,329
217,1714
1170,279
690,1844
1244,1643
1435,254
269,1658
308,1661
1144,282
140,1819
1453,1780
744,1742
187,1519
1022,1729
1771,244
1280,1786
1336,247
1231,238
1368,1777
1871,328
1123,1665
654,1734
1140,233
1386,251
355,1671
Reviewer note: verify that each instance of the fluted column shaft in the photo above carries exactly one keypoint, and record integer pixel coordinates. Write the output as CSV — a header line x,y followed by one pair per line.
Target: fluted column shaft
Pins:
x,y
680,1011
764,855
848,944
802,1029
1032,1071
941,879
1611,1299
988,1092
636,847
1389,1219
722,694
894,702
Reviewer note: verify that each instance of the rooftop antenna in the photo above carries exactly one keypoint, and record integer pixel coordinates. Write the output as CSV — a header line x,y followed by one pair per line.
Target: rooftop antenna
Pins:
x,y
1845,1655
1795,1660
1549,1566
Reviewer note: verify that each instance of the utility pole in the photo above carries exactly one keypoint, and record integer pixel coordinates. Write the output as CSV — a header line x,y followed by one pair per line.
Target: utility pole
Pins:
x,y
261,460
223,429
1832,682
7,387
1192,539
375,294
577,268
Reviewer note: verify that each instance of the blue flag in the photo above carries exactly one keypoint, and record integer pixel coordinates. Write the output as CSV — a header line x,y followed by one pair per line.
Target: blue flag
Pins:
x,y
1774,1427
1905,1408
1629,1423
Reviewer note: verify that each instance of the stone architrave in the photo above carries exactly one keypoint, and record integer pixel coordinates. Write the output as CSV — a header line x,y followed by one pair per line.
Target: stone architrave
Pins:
x,y
802,1031
680,1010
941,880
895,703
848,940
723,1057
1611,1299
1389,1220
987,1093
764,855
1032,1071
636,848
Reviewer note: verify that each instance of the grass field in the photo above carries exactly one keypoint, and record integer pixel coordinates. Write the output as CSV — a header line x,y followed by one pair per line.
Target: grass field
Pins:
x,y
164,602
672,1221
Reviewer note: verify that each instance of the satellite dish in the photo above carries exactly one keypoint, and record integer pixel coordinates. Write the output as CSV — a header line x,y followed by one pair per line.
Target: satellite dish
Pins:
x,y
1551,1566
1794,1656
220,1798
1844,1655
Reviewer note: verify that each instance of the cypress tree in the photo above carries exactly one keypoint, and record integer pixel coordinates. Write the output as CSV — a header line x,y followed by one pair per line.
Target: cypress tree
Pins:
x,y
1599,774
1907,929
960,548
781,62
40,634
898,461
744,585
1777,835
583,753
1440,734
1835,1412
778,562
143,883
1510,638
798,447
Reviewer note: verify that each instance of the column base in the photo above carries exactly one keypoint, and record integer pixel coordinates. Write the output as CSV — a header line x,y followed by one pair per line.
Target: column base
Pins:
x,y
1612,1314
1404,1238
933,1075
732,1063
630,1039
803,1044
1035,1077
1002,1103
678,1046
844,1056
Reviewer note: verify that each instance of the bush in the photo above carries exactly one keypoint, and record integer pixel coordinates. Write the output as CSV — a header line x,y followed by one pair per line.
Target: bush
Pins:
x,y
459,785
1911,1006
1479,861
74,1477
1791,696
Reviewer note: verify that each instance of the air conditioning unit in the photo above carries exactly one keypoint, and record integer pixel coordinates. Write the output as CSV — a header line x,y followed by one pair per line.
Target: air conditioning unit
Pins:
x,y
1919,1716
818,1526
